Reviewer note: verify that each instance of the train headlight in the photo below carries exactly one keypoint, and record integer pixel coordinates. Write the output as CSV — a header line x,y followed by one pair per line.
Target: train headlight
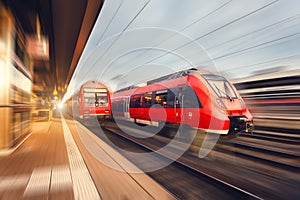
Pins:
x,y
242,104
221,104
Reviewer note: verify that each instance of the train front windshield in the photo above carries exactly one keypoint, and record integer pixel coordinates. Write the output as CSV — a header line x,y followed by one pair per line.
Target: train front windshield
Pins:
x,y
221,87
95,97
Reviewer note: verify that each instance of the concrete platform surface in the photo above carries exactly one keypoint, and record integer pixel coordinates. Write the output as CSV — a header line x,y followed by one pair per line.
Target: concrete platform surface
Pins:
x,y
53,163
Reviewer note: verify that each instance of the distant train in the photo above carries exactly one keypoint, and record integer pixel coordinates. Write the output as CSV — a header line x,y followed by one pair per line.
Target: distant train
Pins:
x,y
93,99
191,97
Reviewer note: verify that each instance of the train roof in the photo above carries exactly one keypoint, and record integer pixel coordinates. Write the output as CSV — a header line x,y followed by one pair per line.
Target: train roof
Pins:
x,y
166,77
94,84
172,76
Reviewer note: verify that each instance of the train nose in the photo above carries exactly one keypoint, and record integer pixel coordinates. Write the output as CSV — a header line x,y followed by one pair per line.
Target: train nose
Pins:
x,y
239,124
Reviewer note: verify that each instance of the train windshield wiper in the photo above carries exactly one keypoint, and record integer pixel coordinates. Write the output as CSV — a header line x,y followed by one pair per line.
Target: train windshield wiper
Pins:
x,y
222,92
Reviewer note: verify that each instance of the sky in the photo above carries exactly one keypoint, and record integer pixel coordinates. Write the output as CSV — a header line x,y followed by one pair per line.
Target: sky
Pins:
x,y
137,40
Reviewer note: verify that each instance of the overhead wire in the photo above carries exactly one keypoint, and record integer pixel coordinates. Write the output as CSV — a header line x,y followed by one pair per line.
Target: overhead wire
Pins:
x,y
281,22
105,29
255,46
265,62
110,21
189,25
181,46
120,34
131,21
225,25
215,30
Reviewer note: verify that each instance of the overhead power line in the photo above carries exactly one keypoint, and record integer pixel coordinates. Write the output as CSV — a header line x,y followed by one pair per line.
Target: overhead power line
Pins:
x,y
215,30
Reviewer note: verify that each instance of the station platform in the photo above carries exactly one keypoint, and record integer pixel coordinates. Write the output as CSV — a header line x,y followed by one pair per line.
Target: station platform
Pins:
x,y
53,163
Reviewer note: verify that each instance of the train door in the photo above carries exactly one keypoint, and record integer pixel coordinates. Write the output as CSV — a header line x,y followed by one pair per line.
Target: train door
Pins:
x,y
179,105
174,104
126,107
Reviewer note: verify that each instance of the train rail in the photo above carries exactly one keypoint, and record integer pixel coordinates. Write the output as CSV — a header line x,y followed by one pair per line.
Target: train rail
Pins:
x,y
276,146
187,168
243,169
276,135
259,152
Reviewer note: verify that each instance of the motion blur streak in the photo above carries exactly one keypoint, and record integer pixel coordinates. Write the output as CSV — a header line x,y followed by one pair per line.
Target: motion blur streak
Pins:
x,y
273,98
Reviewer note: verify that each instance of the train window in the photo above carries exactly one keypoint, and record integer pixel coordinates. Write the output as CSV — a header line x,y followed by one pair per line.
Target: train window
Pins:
x,y
147,98
178,99
171,98
161,98
114,106
95,96
93,90
190,99
221,87
89,99
118,106
135,101
101,98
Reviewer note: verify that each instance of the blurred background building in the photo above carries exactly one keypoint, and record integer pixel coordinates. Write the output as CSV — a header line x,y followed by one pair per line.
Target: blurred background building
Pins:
x,y
16,69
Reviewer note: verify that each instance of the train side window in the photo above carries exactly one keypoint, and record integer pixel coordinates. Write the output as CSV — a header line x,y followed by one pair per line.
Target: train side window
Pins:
x,y
161,98
171,98
89,99
120,106
177,102
125,104
117,106
135,101
147,98
178,97
190,99
102,98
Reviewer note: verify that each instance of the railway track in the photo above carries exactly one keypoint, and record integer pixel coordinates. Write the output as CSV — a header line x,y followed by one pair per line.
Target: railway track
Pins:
x,y
194,183
250,174
274,148
286,136
201,181
259,178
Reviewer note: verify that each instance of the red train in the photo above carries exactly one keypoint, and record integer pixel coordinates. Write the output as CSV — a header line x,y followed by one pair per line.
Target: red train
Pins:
x,y
93,99
191,97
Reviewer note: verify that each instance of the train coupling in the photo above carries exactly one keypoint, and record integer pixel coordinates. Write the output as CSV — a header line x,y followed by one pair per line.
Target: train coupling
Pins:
x,y
248,125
